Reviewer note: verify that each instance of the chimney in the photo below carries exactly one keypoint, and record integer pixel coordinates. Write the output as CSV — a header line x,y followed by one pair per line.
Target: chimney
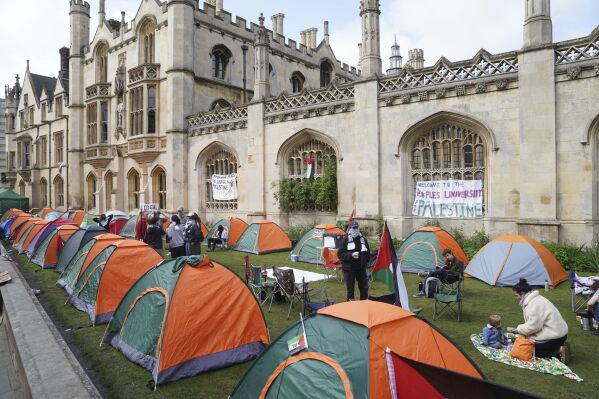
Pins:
x,y
277,24
217,4
416,58
303,37
122,24
101,13
326,32
64,62
313,37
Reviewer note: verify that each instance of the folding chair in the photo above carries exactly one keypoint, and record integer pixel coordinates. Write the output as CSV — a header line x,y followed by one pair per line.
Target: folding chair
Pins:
x,y
259,285
373,255
577,300
315,301
449,299
332,263
287,287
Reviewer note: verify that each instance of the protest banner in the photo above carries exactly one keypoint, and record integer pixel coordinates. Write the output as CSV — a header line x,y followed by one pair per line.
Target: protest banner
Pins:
x,y
224,187
147,208
449,199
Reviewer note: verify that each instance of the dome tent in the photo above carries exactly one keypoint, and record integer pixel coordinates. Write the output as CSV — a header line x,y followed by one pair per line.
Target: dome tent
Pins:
x,y
23,231
46,253
72,246
308,248
423,250
234,226
128,229
507,259
187,316
263,237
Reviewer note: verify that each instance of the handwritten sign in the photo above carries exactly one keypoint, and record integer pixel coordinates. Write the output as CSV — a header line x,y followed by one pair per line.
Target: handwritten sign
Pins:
x,y
147,208
449,199
224,187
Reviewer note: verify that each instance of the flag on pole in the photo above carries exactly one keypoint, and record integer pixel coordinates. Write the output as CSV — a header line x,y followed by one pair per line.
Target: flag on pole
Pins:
x,y
310,168
351,217
387,270
299,343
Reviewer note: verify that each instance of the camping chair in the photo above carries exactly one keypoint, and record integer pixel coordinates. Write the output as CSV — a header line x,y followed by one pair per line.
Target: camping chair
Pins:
x,y
449,299
315,301
287,287
332,263
578,300
262,288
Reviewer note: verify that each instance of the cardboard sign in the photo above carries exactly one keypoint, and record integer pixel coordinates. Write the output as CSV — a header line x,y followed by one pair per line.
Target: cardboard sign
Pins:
x,y
147,208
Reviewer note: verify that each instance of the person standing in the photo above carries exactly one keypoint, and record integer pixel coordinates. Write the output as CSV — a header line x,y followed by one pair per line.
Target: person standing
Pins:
x,y
192,233
354,254
174,235
141,226
181,214
154,233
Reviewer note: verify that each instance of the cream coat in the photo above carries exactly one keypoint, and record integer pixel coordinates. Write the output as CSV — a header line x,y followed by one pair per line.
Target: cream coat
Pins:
x,y
542,320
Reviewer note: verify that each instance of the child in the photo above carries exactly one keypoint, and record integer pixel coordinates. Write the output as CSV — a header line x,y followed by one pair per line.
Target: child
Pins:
x,y
493,333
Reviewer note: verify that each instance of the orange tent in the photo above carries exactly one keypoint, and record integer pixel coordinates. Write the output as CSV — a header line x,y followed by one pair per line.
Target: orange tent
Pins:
x,y
83,258
31,233
346,353
235,226
46,255
110,275
507,259
263,237
18,222
11,212
187,316
43,212
20,235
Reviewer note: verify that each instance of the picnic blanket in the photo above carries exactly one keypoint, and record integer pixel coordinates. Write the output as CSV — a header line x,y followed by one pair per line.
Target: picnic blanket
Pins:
x,y
299,274
548,366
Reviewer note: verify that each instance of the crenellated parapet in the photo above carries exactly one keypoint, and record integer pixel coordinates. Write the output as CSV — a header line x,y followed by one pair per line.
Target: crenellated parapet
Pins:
x,y
218,120
579,57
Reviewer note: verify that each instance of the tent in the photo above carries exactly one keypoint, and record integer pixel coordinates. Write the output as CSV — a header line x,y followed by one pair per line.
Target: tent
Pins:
x,y
43,233
18,216
108,277
507,259
9,213
234,226
128,229
30,235
263,237
309,247
23,229
423,250
345,355
71,274
119,219
17,223
52,215
75,215
41,213
74,244
187,316
88,220
9,199
46,254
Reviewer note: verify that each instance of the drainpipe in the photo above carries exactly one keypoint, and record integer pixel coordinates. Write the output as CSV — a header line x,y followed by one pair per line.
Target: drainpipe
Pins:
x,y
244,48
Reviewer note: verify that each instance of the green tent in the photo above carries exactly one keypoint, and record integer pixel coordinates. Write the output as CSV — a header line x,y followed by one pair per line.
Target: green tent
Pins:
x,y
309,247
10,199
128,229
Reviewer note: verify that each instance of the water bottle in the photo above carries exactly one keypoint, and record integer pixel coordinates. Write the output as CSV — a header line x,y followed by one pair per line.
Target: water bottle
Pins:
x,y
546,286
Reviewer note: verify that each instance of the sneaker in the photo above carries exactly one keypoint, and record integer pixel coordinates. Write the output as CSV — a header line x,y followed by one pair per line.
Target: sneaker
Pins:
x,y
564,353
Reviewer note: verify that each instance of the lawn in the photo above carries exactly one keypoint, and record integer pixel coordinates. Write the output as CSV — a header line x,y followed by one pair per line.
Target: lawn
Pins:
x,y
119,378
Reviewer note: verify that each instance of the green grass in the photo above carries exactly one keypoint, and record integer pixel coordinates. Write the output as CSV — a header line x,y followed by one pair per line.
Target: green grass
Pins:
x,y
120,378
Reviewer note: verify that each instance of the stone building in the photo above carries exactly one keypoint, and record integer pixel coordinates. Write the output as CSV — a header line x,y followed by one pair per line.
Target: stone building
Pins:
x,y
3,179
159,104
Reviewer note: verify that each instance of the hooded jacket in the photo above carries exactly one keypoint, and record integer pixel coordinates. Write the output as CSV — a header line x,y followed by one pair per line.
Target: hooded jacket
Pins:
x,y
542,320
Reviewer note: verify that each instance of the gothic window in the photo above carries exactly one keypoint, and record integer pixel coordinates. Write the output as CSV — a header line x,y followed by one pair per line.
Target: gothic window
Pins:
x,y
43,151
102,63
104,122
31,115
311,148
43,193
221,162
108,190
151,109
297,82
220,60
91,191
92,123
448,152
22,123
22,188
159,187
58,191
58,105
136,110
44,108
220,103
134,187
147,34
326,73
58,147
27,154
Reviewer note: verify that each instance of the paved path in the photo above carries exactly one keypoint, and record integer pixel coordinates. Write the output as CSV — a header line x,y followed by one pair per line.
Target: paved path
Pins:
x,y
10,383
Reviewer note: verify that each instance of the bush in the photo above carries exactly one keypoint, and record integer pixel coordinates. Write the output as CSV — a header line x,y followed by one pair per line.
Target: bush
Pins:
x,y
472,244
297,232
576,257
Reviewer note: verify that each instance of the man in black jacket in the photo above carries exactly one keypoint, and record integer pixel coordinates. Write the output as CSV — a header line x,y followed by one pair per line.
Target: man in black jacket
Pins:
x,y
354,254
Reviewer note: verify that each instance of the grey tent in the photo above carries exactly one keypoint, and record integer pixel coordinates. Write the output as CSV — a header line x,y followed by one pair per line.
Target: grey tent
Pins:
x,y
77,240
10,199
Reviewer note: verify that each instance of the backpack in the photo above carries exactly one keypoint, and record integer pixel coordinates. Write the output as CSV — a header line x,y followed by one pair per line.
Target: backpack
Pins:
x,y
432,286
190,235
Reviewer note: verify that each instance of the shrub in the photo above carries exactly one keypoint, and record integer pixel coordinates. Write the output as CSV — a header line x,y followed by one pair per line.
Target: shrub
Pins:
x,y
472,244
297,232
572,256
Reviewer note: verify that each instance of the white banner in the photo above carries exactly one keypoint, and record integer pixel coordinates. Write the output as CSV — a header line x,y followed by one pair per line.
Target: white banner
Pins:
x,y
146,208
224,187
449,199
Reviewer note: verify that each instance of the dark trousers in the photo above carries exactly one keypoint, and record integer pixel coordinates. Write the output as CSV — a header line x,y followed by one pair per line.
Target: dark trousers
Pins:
x,y
549,348
177,251
213,242
351,276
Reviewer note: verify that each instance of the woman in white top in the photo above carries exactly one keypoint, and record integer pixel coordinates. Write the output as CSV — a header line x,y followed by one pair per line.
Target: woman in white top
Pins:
x,y
174,235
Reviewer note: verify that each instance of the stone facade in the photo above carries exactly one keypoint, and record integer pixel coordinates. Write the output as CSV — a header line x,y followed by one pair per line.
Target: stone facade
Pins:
x,y
159,104
3,178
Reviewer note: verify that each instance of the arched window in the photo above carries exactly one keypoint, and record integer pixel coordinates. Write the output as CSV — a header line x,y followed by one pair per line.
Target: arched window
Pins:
x,y
221,162
311,148
151,109
108,187
147,33
101,63
326,73
297,82
220,60
134,187
220,103
159,187
58,192
449,152
91,191
22,188
43,193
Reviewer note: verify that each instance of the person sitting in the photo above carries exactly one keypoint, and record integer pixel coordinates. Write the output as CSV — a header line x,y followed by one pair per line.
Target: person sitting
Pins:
x,y
543,323
450,273
493,333
104,221
219,237
593,304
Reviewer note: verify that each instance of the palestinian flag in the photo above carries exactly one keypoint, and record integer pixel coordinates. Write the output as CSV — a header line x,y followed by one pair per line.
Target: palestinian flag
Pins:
x,y
310,169
387,270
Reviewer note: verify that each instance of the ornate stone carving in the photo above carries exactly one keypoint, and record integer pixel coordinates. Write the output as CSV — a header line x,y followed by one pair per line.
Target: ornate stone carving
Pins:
x,y
501,84
143,73
423,96
584,49
405,99
460,90
389,101
597,70
441,92
481,87
574,72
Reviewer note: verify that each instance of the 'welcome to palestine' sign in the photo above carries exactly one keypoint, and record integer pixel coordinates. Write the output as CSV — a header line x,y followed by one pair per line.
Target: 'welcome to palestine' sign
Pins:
x,y
449,199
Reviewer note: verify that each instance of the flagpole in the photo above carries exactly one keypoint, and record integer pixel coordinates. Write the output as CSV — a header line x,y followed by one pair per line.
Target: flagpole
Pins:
x,y
304,328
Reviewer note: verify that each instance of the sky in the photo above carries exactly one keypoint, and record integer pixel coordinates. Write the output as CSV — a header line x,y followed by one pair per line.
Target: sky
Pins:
x,y
456,29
